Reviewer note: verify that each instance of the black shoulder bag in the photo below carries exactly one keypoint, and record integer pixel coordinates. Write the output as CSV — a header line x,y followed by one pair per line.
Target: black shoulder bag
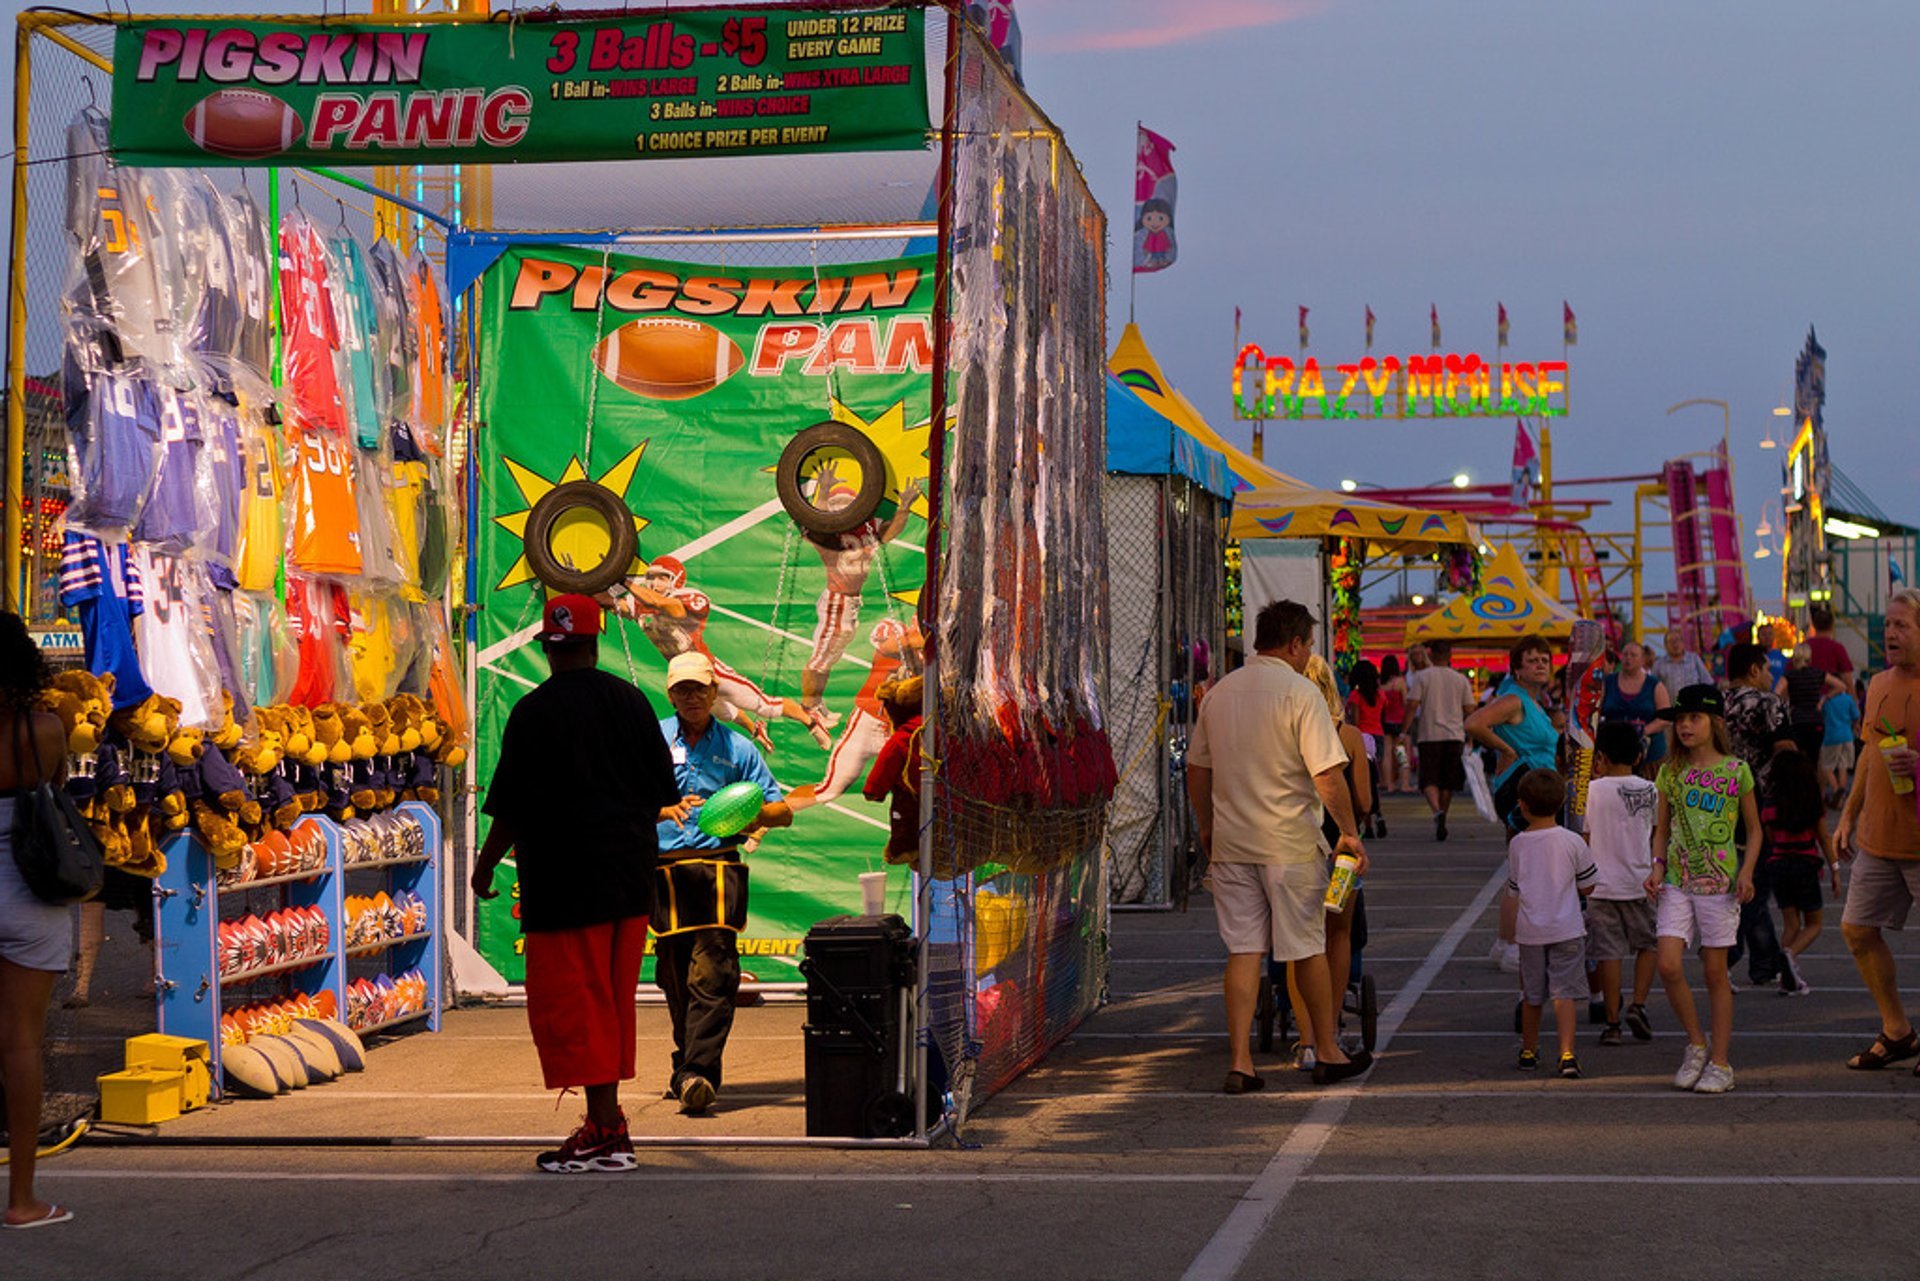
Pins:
x,y
57,853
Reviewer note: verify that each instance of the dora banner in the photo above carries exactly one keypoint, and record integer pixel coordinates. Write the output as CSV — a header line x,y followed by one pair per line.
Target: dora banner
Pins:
x,y
706,82
676,387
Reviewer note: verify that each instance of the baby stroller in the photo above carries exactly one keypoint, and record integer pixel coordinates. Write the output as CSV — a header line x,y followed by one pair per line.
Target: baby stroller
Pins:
x,y
1275,1009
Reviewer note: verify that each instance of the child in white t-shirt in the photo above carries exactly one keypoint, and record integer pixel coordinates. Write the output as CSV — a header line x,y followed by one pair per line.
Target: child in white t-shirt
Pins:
x,y
1550,870
1620,917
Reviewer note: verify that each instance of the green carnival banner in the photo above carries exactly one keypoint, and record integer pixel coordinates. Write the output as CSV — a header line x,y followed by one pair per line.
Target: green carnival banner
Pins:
x,y
676,387
694,83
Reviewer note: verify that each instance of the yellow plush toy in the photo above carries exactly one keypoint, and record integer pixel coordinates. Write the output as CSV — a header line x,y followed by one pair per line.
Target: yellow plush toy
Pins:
x,y
159,806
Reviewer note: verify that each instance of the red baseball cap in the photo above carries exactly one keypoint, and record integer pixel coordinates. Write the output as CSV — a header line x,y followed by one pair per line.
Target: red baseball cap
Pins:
x,y
571,617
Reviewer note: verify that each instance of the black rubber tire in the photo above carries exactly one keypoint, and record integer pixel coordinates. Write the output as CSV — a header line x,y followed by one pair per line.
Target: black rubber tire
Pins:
x,y
890,1116
555,503
1369,1013
873,478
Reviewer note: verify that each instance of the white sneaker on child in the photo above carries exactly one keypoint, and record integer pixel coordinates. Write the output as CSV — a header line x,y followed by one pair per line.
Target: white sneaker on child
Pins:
x,y
1691,1067
1715,1080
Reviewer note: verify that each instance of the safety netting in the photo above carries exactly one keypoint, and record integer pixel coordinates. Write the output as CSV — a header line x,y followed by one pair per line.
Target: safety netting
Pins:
x,y
1024,769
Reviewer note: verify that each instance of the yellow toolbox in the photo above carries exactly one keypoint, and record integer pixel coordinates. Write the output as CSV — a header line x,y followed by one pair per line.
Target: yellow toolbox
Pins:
x,y
182,1054
141,1096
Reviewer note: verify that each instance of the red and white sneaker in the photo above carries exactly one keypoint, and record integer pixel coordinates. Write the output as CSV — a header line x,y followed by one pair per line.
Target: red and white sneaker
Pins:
x,y
591,1149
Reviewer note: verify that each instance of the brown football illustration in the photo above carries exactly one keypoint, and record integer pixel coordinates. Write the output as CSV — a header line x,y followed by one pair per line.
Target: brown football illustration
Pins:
x,y
668,358
245,124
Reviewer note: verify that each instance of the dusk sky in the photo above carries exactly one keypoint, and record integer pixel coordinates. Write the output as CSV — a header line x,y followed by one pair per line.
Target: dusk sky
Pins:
x,y
1700,180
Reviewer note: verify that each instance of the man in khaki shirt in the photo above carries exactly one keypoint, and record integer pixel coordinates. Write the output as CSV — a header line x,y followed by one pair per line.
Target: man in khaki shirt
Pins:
x,y
1264,758
1880,821
1439,700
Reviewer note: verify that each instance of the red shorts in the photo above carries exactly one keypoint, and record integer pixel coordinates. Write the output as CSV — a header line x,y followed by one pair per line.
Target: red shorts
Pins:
x,y
580,991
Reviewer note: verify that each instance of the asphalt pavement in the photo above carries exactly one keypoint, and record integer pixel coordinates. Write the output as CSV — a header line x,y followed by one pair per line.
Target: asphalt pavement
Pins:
x,y
1117,1157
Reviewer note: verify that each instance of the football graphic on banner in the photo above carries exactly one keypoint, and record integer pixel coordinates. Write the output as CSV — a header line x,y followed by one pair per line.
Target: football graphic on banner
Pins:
x,y
243,123
667,358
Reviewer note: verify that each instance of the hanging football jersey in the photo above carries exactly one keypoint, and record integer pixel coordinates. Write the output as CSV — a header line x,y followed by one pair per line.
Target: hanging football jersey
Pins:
x,y
316,612
226,462
176,650
262,538
213,329
430,340
325,536
380,645
358,323
177,511
113,443
125,288
252,274
102,586
269,650
404,498
310,340
397,341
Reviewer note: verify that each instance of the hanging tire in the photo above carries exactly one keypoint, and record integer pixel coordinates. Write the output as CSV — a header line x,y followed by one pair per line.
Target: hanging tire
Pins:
x,y
866,500
624,540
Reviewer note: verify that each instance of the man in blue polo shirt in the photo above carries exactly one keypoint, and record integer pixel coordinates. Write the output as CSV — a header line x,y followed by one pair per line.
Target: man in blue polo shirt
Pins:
x,y
700,891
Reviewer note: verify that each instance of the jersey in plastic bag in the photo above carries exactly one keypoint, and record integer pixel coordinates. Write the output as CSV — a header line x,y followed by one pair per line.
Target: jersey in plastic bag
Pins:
x,y
212,328
325,536
100,583
262,538
176,650
430,340
125,286
380,555
226,462
252,275
113,443
269,650
177,513
317,615
358,318
381,646
397,341
310,345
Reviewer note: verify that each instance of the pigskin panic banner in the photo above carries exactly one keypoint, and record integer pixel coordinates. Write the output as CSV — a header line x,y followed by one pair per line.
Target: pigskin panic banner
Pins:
x,y
677,387
695,83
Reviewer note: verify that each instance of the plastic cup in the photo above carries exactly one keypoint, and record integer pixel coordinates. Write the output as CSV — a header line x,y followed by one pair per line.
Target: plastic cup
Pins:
x,y
873,893
1901,783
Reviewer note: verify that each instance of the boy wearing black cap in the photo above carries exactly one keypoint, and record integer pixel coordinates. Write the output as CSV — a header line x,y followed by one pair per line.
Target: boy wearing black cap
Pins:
x,y
582,778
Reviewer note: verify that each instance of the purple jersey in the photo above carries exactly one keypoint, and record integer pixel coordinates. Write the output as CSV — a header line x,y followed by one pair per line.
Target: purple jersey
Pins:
x,y
175,518
113,438
213,328
227,461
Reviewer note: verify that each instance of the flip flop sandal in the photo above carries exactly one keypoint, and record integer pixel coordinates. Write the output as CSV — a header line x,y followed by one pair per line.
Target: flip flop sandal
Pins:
x,y
55,1214
1243,1083
1883,1052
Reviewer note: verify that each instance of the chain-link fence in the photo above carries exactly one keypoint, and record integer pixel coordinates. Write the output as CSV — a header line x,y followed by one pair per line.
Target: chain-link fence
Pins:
x,y
1167,643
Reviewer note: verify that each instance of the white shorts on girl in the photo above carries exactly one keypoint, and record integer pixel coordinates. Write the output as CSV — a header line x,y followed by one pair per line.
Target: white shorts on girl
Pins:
x,y
1712,920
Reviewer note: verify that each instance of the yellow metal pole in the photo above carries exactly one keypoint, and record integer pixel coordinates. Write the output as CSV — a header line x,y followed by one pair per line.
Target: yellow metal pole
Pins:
x,y
10,593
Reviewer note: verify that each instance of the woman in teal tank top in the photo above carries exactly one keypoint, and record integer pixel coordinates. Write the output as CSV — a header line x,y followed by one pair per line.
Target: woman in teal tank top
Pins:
x,y
1515,724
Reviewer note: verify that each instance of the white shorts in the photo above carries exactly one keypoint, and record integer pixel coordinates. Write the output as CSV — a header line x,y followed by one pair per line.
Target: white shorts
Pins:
x,y
1713,920
1276,909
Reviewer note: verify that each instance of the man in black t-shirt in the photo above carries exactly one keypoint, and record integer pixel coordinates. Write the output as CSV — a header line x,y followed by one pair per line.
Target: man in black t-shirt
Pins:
x,y
583,778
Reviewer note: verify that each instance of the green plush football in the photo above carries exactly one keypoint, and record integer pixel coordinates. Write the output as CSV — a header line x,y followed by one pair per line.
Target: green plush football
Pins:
x,y
731,810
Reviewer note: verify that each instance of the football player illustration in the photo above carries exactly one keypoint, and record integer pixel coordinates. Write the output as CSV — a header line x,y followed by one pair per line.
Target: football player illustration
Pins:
x,y
674,617
895,646
848,559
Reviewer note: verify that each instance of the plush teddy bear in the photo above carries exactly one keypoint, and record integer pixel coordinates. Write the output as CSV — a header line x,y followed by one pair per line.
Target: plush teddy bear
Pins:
x,y
159,806
83,718
276,806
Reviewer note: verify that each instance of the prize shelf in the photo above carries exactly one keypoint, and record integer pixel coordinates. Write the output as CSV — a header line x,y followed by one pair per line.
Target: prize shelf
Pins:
x,y
381,945
190,990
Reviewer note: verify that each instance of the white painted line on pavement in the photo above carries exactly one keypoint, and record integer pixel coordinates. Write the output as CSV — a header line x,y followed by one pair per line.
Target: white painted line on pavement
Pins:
x,y
1635,1180
1552,1093
1738,1035
642,1175
1222,1256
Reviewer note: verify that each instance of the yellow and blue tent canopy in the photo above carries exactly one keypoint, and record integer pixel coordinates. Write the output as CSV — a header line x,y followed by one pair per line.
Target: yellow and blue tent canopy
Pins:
x,y
1509,605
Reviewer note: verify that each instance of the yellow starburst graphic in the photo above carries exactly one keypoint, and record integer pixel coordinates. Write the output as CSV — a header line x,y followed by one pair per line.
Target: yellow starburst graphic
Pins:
x,y
533,486
903,446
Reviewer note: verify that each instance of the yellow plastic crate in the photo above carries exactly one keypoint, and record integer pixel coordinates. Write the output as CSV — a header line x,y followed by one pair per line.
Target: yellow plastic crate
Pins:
x,y
141,1096
181,1054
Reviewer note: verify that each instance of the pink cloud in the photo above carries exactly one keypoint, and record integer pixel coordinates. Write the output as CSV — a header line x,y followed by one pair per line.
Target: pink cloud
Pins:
x,y
1152,24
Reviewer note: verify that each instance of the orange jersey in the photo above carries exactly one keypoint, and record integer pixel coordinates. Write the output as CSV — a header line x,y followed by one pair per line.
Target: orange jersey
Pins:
x,y
430,331
325,538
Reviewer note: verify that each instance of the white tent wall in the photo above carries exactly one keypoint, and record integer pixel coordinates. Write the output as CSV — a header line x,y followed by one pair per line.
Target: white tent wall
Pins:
x,y
1293,569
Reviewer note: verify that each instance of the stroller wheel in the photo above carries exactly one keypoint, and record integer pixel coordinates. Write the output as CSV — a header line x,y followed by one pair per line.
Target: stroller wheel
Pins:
x,y
1369,1013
